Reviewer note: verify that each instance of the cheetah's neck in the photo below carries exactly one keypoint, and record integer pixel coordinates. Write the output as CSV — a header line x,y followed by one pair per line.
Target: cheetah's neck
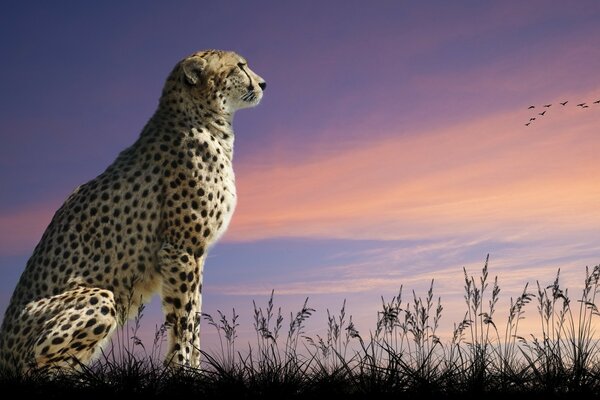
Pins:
x,y
190,118
222,131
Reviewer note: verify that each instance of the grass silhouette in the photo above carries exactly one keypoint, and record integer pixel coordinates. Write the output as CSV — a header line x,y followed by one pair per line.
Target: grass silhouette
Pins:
x,y
402,356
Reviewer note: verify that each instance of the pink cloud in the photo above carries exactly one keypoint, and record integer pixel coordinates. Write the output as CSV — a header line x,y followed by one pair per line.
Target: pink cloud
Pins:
x,y
491,175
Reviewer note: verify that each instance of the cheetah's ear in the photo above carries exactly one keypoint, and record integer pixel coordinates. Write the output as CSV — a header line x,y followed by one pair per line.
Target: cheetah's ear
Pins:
x,y
193,69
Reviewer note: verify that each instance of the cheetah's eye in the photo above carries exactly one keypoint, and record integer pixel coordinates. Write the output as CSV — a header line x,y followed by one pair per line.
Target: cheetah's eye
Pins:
x,y
241,65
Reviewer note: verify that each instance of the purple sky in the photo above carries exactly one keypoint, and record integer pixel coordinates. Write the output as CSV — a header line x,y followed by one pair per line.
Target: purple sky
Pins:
x,y
390,146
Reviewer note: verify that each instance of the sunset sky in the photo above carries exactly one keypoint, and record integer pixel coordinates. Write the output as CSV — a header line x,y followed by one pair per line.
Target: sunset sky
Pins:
x,y
390,147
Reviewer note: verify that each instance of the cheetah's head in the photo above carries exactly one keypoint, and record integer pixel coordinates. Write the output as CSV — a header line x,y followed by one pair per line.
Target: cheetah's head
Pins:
x,y
220,79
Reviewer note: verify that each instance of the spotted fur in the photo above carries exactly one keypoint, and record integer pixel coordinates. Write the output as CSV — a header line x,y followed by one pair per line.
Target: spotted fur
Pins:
x,y
141,227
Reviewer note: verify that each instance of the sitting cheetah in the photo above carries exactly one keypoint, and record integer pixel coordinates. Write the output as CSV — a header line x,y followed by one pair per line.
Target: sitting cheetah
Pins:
x,y
142,226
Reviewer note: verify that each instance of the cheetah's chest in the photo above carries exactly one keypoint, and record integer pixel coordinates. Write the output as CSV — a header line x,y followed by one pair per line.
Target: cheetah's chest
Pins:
x,y
217,195
225,201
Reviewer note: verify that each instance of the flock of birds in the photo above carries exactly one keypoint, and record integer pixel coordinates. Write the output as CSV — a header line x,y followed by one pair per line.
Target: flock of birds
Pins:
x,y
547,106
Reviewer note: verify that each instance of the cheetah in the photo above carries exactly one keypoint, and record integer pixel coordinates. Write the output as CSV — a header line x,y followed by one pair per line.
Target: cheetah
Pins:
x,y
143,226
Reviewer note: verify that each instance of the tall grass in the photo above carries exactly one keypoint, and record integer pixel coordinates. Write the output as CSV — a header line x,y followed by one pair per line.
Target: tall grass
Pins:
x,y
402,354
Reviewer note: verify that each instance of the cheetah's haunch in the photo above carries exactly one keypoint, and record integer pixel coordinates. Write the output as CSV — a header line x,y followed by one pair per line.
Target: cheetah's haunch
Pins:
x,y
142,226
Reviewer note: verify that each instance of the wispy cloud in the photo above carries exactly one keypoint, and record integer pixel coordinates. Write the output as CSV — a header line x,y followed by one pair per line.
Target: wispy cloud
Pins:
x,y
386,273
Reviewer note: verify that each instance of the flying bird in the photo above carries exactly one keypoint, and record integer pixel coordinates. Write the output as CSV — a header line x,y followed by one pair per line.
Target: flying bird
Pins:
x,y
562,103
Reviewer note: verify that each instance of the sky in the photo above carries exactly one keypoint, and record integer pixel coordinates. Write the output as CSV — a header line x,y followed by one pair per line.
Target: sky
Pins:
x,y
390,147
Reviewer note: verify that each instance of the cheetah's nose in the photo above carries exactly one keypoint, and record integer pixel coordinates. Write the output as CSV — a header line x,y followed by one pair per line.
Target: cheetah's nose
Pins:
x,y
263,85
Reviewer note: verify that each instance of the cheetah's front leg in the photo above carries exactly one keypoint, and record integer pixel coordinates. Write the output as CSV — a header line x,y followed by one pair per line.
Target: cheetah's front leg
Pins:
x,y
198,294
181,275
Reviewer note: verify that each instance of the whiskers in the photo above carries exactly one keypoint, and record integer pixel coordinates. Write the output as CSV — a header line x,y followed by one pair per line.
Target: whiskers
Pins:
x,y
250,96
